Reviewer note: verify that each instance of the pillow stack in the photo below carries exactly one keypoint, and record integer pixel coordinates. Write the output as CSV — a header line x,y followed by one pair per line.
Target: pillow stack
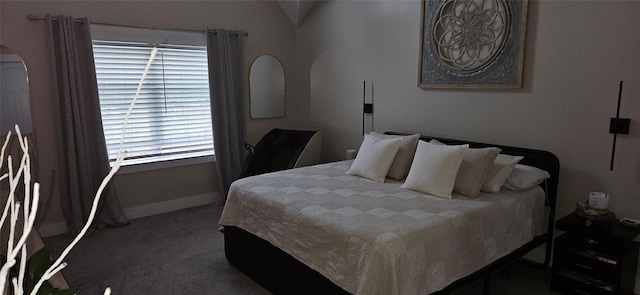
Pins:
x,y
439,169
474,169
434,168
382,156
402,161
375,158
524,177
500,170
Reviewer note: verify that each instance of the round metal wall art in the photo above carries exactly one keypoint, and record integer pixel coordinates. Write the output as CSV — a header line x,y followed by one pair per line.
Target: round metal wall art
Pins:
x,y
472,43
467,35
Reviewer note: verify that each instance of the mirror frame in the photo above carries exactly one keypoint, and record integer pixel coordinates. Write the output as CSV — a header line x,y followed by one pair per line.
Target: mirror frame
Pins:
x,y
24,120
257,89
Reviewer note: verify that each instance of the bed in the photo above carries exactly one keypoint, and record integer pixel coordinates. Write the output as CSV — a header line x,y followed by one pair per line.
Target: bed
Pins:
x,y
320,230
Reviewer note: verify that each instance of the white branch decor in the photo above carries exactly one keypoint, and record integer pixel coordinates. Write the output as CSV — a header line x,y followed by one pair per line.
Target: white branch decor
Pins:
x,y
11,213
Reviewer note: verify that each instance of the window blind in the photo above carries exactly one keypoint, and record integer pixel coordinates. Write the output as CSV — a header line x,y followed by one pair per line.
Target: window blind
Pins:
x,y
172,116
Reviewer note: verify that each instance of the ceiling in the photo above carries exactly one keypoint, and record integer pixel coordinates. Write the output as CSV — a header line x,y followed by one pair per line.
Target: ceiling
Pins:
x,y
296,10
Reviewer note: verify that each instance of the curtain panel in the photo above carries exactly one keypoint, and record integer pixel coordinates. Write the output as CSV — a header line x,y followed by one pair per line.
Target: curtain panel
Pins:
x,y
82,152
225,52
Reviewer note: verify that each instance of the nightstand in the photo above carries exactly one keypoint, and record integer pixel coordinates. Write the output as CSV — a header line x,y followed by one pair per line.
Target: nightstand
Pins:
x,y
597,257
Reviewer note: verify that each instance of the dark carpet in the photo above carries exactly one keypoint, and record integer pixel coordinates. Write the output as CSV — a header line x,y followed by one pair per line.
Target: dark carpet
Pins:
x,y
182,252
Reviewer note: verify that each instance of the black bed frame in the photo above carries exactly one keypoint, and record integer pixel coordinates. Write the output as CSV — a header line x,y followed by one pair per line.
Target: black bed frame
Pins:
x,y
280,273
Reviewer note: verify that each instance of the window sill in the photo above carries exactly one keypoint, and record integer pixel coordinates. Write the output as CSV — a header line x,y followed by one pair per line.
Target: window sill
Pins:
x,y
142,167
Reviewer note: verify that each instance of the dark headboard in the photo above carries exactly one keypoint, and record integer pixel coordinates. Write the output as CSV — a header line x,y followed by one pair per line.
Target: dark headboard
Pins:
x,y
538,158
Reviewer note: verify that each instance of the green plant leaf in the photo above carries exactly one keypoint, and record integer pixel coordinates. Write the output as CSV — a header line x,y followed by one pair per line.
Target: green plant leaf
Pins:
x,y
37,264
45,289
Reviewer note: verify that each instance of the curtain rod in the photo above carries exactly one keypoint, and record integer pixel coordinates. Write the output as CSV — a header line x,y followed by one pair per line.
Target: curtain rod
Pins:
x,y
32,18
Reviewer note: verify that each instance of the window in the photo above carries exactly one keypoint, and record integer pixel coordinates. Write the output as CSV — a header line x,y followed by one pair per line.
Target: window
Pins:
x,y
172,116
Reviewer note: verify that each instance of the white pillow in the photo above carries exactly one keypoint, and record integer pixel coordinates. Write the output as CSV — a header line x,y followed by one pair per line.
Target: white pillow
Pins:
x,y
434,168
524,177
475,166
374,158
501,169
402,162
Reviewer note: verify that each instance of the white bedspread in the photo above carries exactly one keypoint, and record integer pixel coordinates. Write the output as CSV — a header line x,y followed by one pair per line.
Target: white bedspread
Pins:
x,y
378,238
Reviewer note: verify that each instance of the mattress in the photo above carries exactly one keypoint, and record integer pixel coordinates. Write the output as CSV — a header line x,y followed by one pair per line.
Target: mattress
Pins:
x,y
378,238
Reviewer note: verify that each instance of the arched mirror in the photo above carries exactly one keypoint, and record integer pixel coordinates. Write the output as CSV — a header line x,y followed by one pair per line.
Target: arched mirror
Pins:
x,y
266,86
14,93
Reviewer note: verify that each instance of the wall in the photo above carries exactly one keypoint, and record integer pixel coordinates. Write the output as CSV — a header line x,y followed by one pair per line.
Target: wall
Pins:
x,y
571,78
576,54
143,193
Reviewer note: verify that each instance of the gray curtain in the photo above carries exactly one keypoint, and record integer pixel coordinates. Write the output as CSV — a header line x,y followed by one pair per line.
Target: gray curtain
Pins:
x,y
225,51
82,151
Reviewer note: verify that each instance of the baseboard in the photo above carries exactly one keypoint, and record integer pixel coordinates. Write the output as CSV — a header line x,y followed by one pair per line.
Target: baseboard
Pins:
x,y
52,229
171,205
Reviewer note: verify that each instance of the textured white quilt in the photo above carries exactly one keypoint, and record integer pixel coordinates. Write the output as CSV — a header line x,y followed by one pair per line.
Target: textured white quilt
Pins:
x,y
378,238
